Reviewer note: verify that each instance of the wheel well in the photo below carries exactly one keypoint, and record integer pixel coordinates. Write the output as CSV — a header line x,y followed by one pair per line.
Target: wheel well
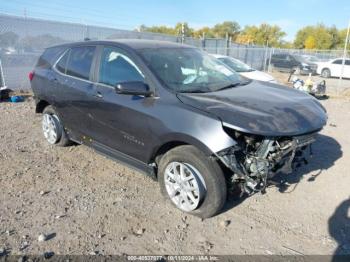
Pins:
x,y
40,106
165,148
326,68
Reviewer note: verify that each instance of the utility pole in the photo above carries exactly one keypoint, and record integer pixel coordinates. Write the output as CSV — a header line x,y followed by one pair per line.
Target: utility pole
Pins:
x,y
344,55
25,19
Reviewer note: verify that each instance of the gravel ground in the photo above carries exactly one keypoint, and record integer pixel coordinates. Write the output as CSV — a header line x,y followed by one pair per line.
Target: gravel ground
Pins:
x,y
84,203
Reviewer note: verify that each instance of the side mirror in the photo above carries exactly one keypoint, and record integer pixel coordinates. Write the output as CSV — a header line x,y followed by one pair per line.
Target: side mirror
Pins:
x,y
133,88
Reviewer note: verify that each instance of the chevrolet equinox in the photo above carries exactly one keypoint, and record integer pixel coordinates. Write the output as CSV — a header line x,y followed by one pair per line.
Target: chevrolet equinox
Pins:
x,y
175,113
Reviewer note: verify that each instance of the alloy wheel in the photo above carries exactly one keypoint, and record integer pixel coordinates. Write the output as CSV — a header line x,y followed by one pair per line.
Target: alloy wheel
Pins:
x,y
50,126
185,185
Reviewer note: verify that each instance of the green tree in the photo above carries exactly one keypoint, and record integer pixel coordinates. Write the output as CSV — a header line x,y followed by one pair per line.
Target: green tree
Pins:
x,y
310,42
162,29
325,38
341,39
227,28
187,30
264,34
8,39
204,31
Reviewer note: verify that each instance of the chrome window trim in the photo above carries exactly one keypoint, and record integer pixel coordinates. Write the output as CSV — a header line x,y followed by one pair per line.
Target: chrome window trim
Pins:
x,y
74,77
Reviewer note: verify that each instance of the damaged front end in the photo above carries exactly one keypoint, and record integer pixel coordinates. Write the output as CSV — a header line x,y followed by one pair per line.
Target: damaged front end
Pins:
x,y
255,159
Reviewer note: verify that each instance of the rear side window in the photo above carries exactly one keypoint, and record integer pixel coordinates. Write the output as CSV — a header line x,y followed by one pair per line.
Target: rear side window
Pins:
x,y
62,64
77,62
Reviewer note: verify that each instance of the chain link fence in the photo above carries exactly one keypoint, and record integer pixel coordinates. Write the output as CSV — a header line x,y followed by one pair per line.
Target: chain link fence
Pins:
x,y
23,39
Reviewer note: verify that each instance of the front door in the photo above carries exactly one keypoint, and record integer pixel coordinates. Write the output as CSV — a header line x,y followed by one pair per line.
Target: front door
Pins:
x,y
121,122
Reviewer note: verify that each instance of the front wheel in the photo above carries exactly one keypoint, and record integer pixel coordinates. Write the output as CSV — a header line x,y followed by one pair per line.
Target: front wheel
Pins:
x,y
326,73
192,182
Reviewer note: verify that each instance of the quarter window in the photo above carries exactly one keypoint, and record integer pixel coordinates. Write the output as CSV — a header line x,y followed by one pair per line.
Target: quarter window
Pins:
x,y
61,65
116,68
79,62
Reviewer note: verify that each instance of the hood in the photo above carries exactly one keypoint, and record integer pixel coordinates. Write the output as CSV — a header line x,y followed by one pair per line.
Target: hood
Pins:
x,y
258,75
262,108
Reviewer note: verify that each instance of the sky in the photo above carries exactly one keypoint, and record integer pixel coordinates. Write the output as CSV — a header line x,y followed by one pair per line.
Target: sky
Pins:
x,y
129,14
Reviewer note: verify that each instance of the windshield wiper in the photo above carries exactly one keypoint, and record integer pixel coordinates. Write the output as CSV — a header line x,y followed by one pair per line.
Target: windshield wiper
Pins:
x,y
193,91
229,86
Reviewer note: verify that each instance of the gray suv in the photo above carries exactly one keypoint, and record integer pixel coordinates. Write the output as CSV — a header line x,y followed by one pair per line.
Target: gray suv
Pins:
x,y
176,114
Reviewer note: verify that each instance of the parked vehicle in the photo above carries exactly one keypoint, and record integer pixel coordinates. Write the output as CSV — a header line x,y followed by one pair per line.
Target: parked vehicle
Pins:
x,y
175,113
288,62
333,68
244,69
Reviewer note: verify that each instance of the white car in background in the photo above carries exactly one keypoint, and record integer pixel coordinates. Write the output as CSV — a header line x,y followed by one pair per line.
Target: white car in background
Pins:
x,y
332,68
244,69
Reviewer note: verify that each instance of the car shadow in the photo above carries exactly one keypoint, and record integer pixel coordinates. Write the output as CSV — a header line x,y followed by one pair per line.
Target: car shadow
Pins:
x,y
339,229
326,151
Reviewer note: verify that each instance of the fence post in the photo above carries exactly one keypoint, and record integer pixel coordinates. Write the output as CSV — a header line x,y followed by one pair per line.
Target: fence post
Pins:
x,y
203,41
265,57
272,51
228,44
246,54
2,79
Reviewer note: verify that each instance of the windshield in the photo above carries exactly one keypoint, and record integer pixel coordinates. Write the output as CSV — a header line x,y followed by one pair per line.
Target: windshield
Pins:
x,y
312,58
300,58
189,70
236,65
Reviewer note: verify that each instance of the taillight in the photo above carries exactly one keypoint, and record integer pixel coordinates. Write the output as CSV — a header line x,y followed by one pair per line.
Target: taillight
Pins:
x,y
31,75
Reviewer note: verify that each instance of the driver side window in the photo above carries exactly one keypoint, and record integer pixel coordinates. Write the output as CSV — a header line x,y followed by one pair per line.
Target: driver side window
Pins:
x,y
116,67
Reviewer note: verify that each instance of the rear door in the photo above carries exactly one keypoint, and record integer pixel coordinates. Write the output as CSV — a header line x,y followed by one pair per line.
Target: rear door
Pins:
x,y
347,69
73,82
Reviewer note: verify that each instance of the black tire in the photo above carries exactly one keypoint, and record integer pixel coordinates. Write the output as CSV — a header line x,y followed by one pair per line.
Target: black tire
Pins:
x,y
63,138
326,73
216,189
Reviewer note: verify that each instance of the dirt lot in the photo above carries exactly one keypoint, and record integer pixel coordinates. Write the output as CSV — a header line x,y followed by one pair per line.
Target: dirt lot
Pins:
x,y
87,203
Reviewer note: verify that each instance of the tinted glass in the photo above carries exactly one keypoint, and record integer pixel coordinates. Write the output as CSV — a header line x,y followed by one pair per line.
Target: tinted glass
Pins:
x,y
49,56
61,65
79,62
337,62
347,62
116,68
190,70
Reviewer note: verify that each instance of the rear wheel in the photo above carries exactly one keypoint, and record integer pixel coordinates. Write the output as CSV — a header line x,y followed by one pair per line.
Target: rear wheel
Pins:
x,y
53,129
326,73
192,182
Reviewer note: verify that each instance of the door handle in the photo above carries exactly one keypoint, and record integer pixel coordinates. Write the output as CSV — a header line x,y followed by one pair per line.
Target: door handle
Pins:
x,y
98,94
